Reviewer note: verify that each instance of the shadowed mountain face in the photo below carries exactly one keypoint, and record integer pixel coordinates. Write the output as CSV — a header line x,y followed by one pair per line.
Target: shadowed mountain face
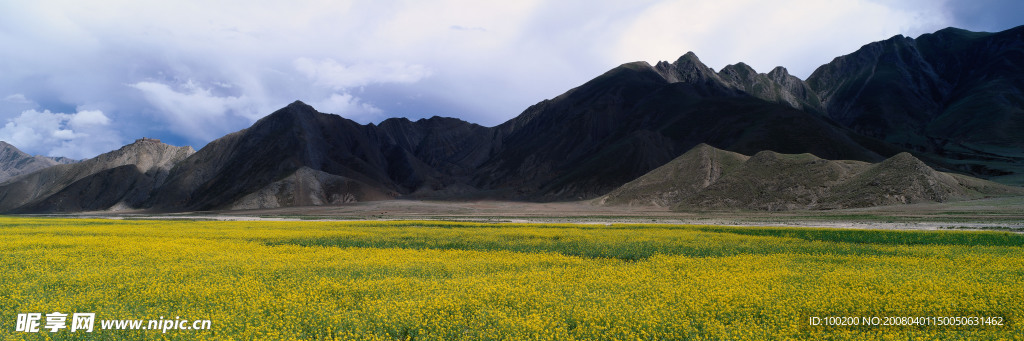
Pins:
x,y
313,152
576,146
14,162
710,178
636,117
953,98
954,94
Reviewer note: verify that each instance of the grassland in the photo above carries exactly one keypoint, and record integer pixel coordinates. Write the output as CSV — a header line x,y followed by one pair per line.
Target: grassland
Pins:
x,y
429,280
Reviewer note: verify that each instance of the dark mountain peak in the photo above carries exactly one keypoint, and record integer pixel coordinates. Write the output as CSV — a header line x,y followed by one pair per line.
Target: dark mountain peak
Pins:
x,y
297,115
440,120
300,105
741,69
959,33
778,72
689,57
687,69
690,61
393,121
634,66
295,110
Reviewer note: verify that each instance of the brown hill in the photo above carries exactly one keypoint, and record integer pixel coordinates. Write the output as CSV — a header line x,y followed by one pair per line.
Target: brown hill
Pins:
x,y
680,178
127,174
14,162
708,178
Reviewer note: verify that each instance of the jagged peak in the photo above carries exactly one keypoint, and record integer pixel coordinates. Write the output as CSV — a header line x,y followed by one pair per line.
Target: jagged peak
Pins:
x,y
688,57
897,37
395,120
299,105
740,67
778,71
686,69
689,61
296,111
641,65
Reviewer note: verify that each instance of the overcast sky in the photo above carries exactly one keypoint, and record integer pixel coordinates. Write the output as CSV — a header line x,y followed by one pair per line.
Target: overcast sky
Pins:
x,y
80,78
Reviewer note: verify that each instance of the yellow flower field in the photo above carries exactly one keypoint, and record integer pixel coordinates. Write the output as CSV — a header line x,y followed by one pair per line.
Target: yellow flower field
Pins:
x,y
428,280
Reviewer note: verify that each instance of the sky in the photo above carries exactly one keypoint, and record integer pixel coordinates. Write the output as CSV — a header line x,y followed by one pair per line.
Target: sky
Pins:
x,y
81,78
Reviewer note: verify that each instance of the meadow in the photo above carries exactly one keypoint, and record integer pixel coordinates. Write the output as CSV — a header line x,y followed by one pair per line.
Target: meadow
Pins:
x,y
431,280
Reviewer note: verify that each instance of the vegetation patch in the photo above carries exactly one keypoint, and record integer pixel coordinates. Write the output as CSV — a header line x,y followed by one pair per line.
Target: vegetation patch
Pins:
x,y
423,280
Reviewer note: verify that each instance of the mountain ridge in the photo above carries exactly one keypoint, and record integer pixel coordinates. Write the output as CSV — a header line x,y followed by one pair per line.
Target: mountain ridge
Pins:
x,y
600,135
14,162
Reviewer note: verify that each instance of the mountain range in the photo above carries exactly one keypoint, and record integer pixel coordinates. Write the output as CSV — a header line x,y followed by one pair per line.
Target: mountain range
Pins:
x,y
950,101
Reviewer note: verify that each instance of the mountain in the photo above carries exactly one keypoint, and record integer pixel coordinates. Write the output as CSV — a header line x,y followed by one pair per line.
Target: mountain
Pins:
x,y
14,162
121,178
953,94
710,178
903,112
298,156
637,117
682,177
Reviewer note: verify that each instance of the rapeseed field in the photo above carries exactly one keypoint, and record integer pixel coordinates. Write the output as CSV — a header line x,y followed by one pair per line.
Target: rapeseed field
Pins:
x,y
430,280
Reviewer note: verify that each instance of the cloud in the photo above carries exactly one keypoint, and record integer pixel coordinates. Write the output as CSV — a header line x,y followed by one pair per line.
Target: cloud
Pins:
x,y
194,111
985,15
330,73
194,74
349,107
17,98
79,135
464,28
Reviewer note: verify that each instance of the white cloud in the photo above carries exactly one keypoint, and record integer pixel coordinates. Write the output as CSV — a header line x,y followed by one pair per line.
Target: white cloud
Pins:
x,y
196,73
80,135
88,118
350,107
17,98
195,112
330,73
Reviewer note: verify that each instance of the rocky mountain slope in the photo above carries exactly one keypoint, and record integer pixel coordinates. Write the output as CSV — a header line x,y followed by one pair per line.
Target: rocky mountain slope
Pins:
x,y
298,156
710,178
682,177
14,162
636,117
954,94
121,178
